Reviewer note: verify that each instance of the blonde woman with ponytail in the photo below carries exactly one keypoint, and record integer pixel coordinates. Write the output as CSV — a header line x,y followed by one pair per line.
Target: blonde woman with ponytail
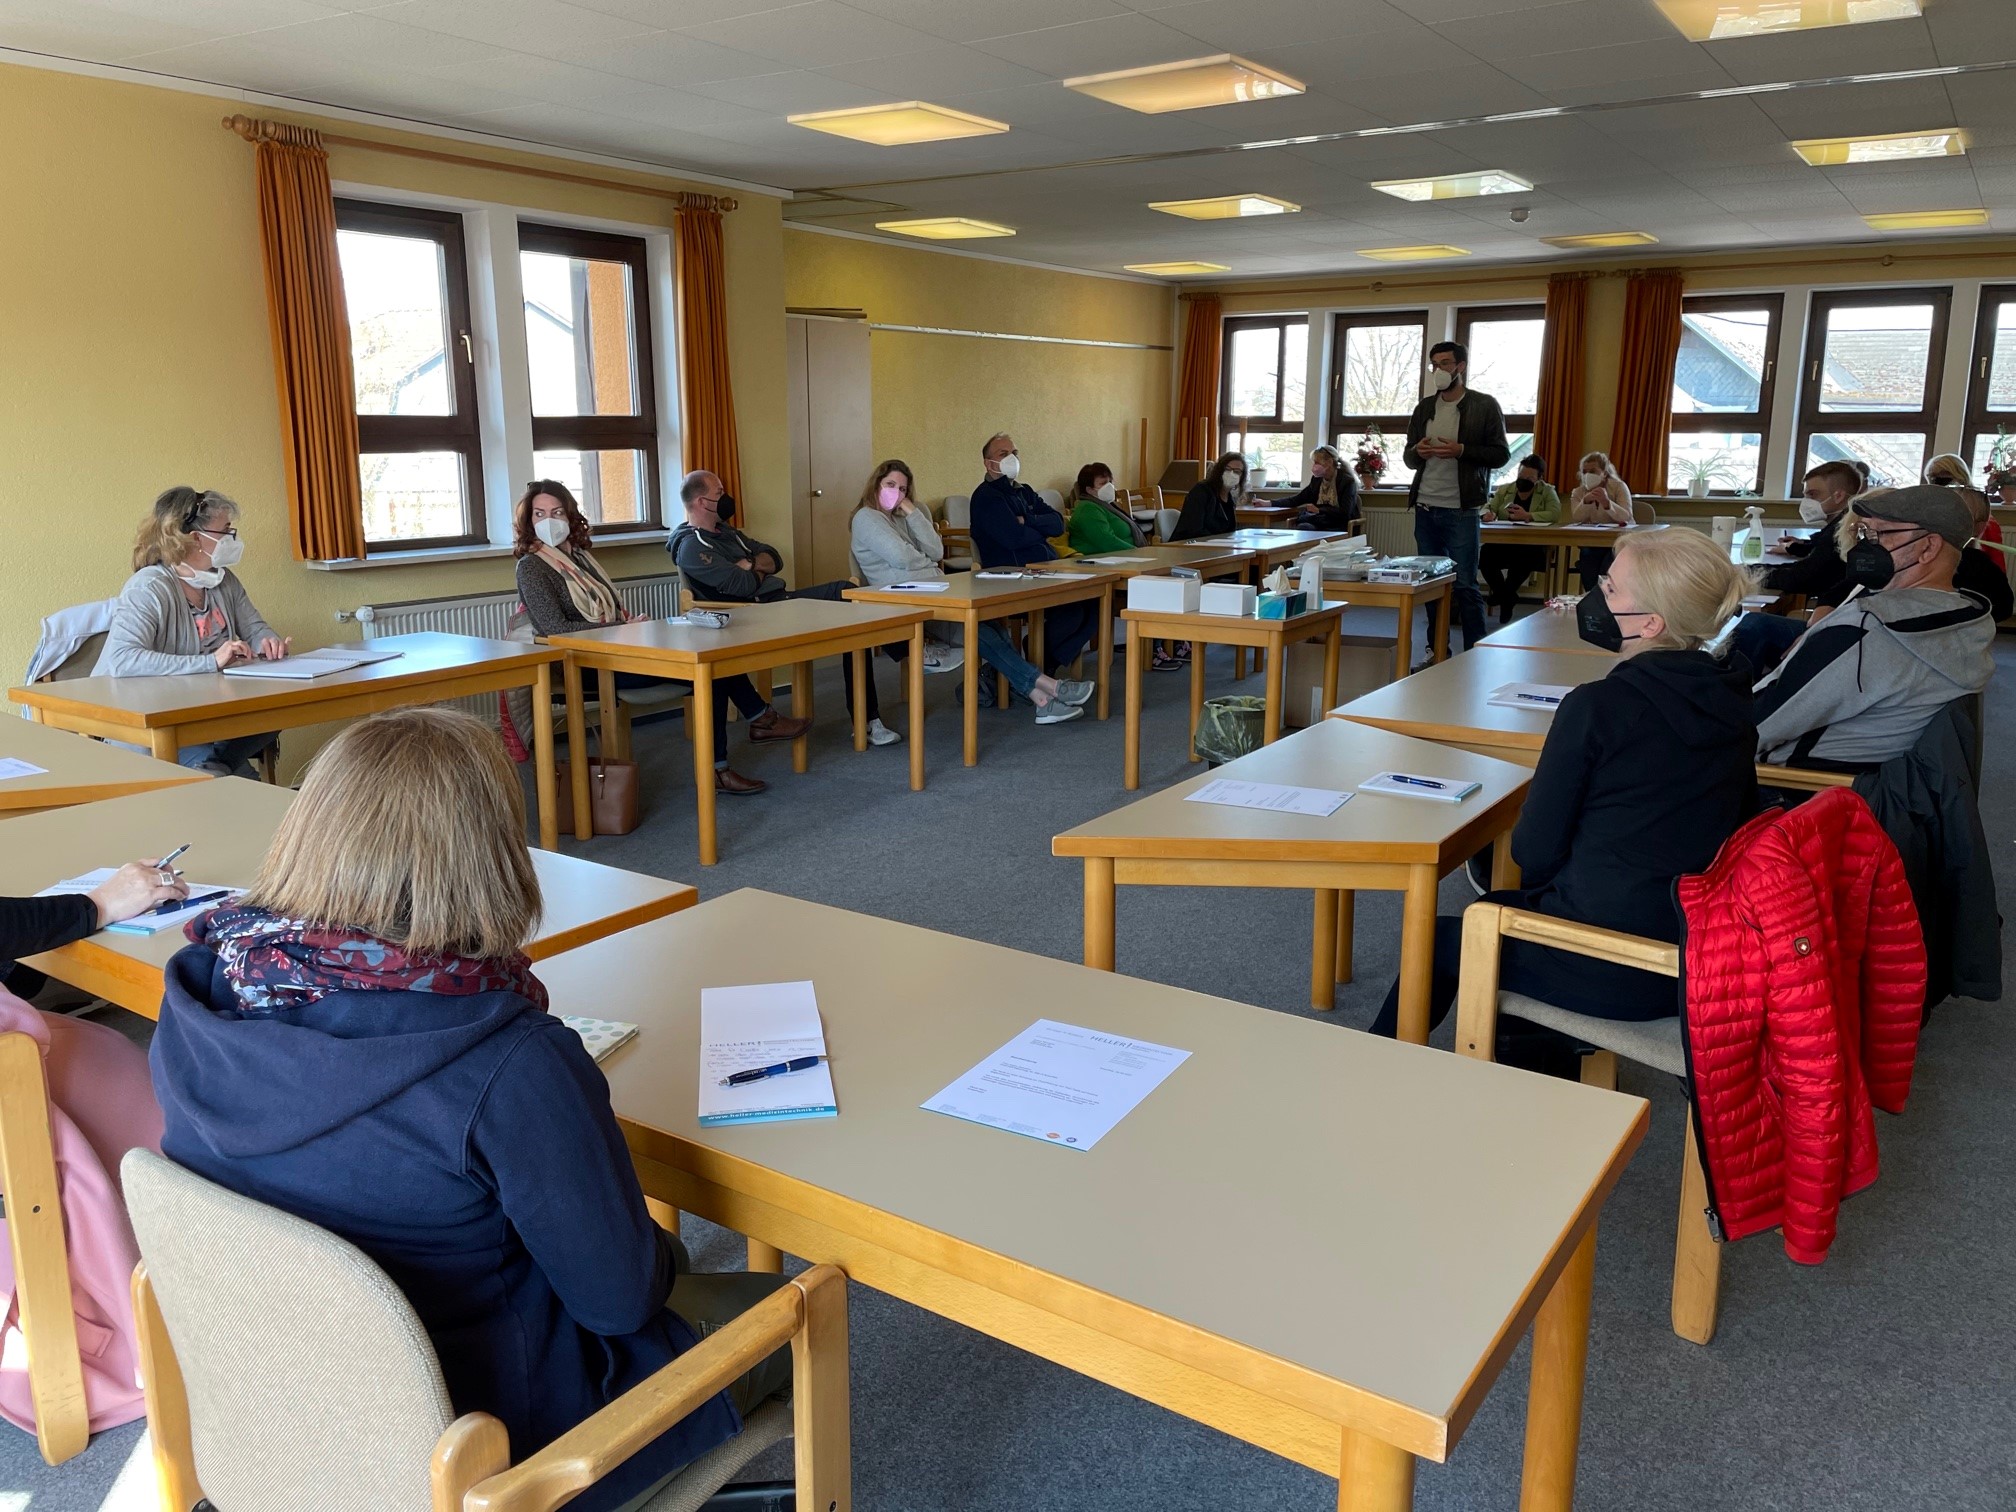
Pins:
x,y
1644,774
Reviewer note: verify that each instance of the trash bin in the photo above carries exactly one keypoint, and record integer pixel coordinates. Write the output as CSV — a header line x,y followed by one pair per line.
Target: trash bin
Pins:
x,y
1231,727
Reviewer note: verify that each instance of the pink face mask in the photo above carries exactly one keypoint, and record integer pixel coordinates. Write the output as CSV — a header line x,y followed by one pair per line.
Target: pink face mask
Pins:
x,y
890,497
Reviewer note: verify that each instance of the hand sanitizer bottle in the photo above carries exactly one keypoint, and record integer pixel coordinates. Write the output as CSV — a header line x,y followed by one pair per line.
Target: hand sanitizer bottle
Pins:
x,y
1753,537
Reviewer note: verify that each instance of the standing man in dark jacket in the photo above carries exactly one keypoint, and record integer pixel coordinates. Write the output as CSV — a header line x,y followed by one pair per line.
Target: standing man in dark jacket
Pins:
x,y
1455,441
1012,526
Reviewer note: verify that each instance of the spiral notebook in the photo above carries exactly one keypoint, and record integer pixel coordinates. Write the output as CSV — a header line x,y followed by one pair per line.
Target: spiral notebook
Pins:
x,y
603,1037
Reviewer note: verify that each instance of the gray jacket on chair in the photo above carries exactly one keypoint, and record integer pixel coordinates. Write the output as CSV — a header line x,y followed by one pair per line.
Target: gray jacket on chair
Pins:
x,y
154,635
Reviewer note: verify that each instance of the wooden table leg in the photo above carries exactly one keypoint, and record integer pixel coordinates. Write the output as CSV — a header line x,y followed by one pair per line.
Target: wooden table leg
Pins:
x,y
701,706
577,749
1196,692
544,769
863,668
1403,643
605,725
1099,912
1347,918
1554,1395
1373,1476
1333,656
765,1259
970,714
1440,650
1272,694
1104,675
166,744
1036,632
801,707
917,708
1417,953
1130,744
1323,952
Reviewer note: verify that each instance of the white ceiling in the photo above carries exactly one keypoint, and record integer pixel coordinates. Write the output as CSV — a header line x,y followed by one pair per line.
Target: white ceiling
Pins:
x,y
705,85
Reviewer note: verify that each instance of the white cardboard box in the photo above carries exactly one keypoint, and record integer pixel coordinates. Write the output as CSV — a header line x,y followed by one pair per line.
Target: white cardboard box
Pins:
x,y
1228,598
1163,595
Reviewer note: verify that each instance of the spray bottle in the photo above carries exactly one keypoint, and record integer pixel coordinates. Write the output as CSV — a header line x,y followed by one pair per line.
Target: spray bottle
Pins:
x,y
1753,537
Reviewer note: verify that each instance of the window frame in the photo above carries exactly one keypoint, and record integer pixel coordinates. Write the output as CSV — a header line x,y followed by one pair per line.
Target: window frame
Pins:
x,y
460,432
1923,421
1256,425
1727,421
1392,426
1524,309
1977,419
634,432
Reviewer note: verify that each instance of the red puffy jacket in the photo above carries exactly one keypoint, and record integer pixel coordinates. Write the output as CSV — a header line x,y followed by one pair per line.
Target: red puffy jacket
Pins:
x,y
1805,974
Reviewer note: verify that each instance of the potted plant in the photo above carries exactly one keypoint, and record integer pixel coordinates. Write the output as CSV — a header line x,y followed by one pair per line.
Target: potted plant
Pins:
x,y
1999,470
1371,458
1703,473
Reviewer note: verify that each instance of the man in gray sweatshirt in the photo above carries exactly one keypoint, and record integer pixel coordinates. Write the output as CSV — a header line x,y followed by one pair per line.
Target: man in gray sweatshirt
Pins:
x,y
1860,686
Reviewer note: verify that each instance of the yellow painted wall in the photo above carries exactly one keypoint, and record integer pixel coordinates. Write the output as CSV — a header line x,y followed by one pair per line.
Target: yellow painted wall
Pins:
x,y
134,351
938,398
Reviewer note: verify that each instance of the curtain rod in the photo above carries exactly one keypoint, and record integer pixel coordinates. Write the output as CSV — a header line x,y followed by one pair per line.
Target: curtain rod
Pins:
x,y
255,130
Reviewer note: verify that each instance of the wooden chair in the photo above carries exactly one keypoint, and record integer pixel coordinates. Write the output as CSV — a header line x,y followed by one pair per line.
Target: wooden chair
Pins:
x,y
956,533
283,1368
41,1260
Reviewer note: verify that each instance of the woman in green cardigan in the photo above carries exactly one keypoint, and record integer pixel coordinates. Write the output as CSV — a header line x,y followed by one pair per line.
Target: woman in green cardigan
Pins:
x,y
1099,524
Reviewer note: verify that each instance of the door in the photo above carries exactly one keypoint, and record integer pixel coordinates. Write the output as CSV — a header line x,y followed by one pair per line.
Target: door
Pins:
x,y
832,419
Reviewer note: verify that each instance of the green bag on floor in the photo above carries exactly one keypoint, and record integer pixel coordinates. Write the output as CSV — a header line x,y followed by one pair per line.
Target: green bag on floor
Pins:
x,y
1231,727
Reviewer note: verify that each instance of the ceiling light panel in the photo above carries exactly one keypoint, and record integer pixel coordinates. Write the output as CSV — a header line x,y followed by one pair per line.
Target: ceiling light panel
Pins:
x,y
1601,240
1193,84
945,228
1727,20
1928,220
1412,254
899,125
1177,269
1454,185
1226,207
1896,147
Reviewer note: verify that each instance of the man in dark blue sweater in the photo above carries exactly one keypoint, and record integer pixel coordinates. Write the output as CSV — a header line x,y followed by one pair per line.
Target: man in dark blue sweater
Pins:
x,y
1011,526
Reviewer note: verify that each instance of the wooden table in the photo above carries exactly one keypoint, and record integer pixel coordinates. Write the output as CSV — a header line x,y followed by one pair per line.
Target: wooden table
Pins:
x,y
969,598
1545,630
1373,843
1209,562
1775,537
231,822
788,632
1272,636
1419,1210
1558,539
1260,514
1448,702
1403,599
168,713
77,769
1271,548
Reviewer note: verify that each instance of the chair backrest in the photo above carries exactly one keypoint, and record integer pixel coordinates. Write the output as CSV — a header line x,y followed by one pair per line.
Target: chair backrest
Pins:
x,y
70,641
1165,523
310,1380
959,511
1051,497
1643,513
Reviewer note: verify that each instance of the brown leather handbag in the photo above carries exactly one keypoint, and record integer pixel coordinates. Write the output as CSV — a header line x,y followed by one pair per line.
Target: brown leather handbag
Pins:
x,y
612,796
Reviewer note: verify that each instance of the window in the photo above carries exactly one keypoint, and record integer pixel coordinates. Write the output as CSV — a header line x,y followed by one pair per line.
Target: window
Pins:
x,y
1722,388
1504,343
1375,382
1991,382
406,283
588,338
1871,390
1265,365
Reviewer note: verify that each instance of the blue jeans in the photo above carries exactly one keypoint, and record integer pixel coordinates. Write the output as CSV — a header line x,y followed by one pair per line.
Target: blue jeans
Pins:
x,y
1067,630
999,653
1454,533
229,754
1765,638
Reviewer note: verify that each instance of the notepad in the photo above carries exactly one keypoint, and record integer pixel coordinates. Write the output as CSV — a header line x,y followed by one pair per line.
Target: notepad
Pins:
x,y
916,587
1319,803
14,766
1059,1083
1535,698
742,1028
1119,561
301,668
996,574
211,895
1414,785
603,1037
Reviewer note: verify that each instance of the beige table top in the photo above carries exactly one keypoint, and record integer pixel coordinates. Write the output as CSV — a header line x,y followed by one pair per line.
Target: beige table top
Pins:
x,y
994,596
1588,534
1447,701
1269,539
1162,558
1196,622
163,702
1427,1191
1545,630
1337,754
77,769
780,626
231,822
1338,591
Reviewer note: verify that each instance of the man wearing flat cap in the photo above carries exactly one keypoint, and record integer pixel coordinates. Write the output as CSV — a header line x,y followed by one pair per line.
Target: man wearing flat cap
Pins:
x,y
1861,685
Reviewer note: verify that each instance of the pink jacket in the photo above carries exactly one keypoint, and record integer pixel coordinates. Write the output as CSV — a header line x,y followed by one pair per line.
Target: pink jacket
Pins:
x,y
101,1104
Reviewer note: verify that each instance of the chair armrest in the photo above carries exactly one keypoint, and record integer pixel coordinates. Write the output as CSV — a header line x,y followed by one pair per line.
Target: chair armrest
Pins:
x,y
1487,925
592,1449
1801,779
41,1261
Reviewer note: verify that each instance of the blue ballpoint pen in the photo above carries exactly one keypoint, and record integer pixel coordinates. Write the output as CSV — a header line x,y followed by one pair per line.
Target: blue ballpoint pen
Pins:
x,y
782,1068
1417,781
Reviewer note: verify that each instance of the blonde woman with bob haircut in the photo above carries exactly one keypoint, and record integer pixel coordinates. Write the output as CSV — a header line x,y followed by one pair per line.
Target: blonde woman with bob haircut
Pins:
x,y
361,1041
184,611
1644,774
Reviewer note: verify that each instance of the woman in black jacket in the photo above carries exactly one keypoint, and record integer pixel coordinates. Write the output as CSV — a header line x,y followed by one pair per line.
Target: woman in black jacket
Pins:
x,y
1208,509
1643,776
1330,499
29,926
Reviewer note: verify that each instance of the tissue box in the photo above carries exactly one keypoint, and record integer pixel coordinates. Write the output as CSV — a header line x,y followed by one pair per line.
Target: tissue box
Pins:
x,y
1281,606
1228,598
1163,595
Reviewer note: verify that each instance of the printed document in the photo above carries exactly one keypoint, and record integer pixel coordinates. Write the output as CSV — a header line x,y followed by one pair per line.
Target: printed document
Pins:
x,y
1536,698
1059,1083
14,766
743,1028
1321,803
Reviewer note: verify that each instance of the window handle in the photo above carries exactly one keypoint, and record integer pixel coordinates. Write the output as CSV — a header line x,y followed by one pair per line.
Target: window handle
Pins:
x,y
1769,368
1984,364
1814,375
468,352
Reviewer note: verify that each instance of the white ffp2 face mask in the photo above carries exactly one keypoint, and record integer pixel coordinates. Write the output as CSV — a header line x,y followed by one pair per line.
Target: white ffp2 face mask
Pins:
x,y
227,551
1104,494
1591,479
1812,512
1011,467
201,577
1439,380
552,530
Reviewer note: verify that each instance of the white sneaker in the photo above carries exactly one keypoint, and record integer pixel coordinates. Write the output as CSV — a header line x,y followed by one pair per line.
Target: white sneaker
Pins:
x,y
1058,712
944,659
880,734
1076,693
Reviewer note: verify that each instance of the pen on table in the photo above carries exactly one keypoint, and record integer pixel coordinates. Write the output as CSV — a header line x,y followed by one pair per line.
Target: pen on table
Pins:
x,y
175,904
1539,698
782,1068
1417,781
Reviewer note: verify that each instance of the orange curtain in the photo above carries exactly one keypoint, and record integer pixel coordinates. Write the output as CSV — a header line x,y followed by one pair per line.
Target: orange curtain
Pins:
x,y
1651,345
311,344
703,333
1557,421
1197,390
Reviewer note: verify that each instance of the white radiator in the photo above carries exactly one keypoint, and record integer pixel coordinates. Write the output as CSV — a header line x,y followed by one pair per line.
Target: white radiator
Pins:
x,y
1390,529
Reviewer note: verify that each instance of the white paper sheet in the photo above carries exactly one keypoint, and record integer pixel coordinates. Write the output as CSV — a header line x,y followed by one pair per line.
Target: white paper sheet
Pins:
x,y
1113,561
1319,802
742,1028
1059,1083
917,587
14,766
1414,785
296,668
1534,698
151,923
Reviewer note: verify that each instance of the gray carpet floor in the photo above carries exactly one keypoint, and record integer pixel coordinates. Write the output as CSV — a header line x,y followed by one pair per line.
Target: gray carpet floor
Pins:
x,y
1882,1380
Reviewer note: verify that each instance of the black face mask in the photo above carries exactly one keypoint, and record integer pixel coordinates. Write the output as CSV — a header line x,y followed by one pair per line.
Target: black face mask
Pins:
x,y
1871,565
1597,623
724,511
1525,486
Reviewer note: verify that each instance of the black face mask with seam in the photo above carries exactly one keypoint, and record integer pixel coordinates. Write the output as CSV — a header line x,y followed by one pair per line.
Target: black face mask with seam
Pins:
x,y
1596,622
